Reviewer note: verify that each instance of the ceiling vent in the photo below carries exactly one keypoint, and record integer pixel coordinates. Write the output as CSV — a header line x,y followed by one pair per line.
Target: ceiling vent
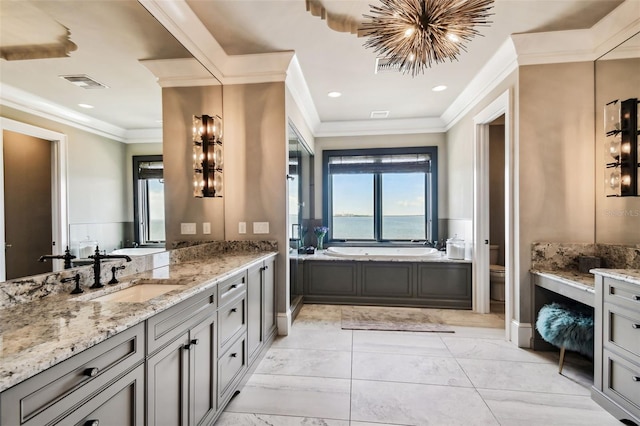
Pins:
x,y
379,114
84,81
385,65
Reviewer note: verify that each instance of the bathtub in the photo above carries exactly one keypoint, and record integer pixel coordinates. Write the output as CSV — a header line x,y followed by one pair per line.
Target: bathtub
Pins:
x,y
138,251
386,276
383,253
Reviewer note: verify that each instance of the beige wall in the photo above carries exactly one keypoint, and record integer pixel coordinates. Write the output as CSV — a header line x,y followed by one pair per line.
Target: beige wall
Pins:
x,y
382,141
556,161
617,219
179,105
256,161
96,171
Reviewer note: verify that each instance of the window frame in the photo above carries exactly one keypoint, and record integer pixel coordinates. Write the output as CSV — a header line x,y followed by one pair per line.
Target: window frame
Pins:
x,y
138,238
431,193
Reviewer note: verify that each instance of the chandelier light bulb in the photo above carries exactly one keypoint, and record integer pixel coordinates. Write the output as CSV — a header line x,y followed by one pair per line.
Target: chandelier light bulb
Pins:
x,y
417,34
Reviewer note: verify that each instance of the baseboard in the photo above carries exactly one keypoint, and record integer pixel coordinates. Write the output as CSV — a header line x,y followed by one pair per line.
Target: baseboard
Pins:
x,y
284,322
521,333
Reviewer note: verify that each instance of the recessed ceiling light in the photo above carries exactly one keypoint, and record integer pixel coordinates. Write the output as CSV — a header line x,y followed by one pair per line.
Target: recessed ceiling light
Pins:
x,y
87,106
334,94
439,88
379,114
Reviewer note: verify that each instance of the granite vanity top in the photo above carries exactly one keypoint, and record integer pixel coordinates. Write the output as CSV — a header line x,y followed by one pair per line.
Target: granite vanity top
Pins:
x,y
39,334
628,275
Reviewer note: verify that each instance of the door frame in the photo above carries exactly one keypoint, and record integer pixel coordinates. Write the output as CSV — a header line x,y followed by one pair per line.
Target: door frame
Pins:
x,y
502,105
59,189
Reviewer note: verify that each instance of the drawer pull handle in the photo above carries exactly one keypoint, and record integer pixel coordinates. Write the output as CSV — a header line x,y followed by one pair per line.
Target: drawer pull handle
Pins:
x,y
233,286
636,378
233,355
91,372
636,326
234,310
92,423
636,297
194,341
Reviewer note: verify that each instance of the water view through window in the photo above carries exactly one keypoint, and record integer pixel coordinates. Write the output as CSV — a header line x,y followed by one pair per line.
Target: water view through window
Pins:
x,y
353,206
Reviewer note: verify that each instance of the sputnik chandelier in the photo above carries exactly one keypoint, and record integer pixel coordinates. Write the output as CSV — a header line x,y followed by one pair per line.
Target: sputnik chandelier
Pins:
x,y
414,34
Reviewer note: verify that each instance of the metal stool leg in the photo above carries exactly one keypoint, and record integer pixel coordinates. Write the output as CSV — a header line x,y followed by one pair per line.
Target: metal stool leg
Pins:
x,y
561,360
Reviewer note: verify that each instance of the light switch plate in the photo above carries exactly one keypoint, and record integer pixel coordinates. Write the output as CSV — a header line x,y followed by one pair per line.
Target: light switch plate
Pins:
x,y
188,228
242,228
260,227
206,227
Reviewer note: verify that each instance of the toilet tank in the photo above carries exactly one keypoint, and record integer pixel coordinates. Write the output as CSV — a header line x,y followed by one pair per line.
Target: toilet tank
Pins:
x,y
493,254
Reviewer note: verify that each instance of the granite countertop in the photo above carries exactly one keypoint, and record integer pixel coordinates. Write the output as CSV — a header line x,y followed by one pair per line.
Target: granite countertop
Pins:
x,y
321,255
569,277
39,334
629,275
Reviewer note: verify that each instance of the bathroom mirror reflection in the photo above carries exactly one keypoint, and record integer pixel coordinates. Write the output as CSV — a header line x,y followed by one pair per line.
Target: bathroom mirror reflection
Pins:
x,y
300,176
109,109
616,77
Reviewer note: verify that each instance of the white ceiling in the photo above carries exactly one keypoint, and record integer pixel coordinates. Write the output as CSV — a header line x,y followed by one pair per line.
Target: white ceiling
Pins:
x,y
112,36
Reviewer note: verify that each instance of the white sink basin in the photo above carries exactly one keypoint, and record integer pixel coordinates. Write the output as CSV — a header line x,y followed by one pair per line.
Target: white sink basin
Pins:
x,y
137,293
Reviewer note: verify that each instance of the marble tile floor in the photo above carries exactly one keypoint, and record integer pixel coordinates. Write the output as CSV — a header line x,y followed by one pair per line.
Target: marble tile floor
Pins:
x,y
321,375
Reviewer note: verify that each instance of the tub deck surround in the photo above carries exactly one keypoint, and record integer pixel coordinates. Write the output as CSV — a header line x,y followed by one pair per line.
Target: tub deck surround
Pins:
x,y
322,255
37,334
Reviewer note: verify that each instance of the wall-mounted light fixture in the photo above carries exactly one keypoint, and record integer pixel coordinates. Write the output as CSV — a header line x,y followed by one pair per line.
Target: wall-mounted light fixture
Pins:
x,y
207,156
621,146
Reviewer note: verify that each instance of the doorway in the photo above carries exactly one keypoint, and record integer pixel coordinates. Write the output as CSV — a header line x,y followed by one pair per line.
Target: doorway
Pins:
x,y
501,106
57,226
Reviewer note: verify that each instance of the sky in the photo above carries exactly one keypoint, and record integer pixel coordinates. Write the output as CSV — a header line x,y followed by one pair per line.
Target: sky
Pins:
x,y
403,194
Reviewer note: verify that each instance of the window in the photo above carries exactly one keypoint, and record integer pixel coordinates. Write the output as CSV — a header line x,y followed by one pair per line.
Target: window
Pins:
x,y
381,194
148,201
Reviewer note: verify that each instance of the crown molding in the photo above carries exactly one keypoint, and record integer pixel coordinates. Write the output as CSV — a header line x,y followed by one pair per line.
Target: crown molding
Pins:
x,y
299,90
184,72
20,100
178,18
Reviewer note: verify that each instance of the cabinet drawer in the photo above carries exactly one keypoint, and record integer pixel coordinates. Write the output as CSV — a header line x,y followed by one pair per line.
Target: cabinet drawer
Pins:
x,y
622,329
622,381
167,325
230,366
232,287
622,293
122,404
48,395
231,319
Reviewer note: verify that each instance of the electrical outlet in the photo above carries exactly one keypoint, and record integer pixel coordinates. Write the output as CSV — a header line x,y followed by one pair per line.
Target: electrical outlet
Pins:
x,y
242,228
260,227
206,227
188,228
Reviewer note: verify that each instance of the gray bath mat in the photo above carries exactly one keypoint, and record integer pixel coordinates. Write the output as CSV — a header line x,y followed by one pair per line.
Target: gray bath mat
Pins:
x,y
390,319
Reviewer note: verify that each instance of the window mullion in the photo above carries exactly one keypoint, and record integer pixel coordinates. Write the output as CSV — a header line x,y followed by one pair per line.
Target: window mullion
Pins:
x,y
377,207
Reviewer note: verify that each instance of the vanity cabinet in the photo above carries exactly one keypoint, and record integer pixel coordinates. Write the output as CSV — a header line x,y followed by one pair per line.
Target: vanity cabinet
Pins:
x,y
261,300
181,375
56,392
617,347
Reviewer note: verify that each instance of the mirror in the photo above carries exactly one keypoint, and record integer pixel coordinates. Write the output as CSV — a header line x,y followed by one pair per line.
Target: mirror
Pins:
x,y
110,38
300,180
616,77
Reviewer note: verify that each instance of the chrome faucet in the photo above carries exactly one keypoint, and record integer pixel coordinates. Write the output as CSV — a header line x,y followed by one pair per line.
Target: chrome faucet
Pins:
x,y
67,256
97,259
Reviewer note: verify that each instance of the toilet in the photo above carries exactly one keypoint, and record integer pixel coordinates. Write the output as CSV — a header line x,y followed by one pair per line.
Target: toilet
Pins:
x,y
496,275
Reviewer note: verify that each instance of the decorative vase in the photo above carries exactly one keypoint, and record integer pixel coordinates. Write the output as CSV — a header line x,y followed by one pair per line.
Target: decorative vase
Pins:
x,y
320,245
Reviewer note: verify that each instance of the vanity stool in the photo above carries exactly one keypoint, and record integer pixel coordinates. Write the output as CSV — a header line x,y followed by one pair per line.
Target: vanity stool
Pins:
x,y
567,328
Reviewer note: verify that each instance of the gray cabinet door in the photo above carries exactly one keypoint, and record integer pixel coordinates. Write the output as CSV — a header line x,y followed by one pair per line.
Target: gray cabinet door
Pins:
x,y
119,404
269,291
330,278
254,311
387,279
202,370
168,385
445,285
